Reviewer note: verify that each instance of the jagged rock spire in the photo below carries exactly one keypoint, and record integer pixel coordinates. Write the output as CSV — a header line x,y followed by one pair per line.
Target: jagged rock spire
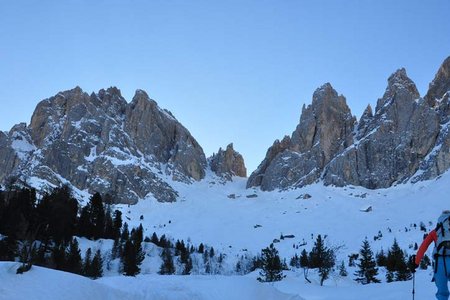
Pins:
x,y
228,163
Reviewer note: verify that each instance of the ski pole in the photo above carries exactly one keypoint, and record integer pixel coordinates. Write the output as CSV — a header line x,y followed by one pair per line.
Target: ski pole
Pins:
x,y
414,284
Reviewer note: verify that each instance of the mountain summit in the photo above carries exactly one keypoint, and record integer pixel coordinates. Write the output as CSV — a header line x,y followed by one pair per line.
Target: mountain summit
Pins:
x,y
99,142
406,138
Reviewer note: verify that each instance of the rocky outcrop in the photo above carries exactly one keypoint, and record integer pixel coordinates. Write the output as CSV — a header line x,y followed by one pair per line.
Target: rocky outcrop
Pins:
x,y
325,129
440,84
438,95
228,163
392,143
406,138
99,142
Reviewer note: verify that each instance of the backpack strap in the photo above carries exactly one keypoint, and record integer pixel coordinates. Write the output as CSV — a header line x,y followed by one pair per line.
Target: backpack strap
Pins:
x,y
440,225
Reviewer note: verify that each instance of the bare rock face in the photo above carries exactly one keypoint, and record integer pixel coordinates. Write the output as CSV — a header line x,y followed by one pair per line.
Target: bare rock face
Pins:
x,y
407,138
440,84
101,143
391,145
227,163
438,95
325,129
256,178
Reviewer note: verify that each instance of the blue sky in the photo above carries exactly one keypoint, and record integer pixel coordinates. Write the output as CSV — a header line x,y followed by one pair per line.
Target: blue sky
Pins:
x,y
230,71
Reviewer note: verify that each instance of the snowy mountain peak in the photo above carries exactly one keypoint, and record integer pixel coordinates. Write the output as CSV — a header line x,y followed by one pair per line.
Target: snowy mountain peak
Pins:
x,y
99,142
405,138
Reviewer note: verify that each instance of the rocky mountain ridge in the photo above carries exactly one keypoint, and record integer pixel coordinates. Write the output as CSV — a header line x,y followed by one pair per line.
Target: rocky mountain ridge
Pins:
x,y
406,138
99,142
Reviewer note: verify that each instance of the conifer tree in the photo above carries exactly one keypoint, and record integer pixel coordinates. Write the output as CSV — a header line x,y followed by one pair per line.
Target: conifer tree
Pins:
x,y
322,258
381,258
167,266
73,255
425,262
109,225
116,250
117,224
132,258
125,233
154,239
396,264
187,266
58,257
272,269
304,264
97,265
97,216
87,263
367,271
342,270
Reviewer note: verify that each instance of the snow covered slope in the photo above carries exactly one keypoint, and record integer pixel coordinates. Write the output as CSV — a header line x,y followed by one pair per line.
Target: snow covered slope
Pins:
x,y
238,221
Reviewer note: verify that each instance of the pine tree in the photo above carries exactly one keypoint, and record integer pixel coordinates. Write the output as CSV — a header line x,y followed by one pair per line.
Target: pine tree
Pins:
x,y
87,263
187,266
367,266
396,264
425,262
73,264
304,264
132,258
381,259
403,272
117,224
8,248
116,249
167,266
59,257
109,225
97,265
137,235
154,239
125,233
342,270
295,261
322,258
272,269
85,227
97,216
201,248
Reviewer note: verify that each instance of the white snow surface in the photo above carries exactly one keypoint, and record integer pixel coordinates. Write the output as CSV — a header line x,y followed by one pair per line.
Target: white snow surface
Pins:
x,y
221,215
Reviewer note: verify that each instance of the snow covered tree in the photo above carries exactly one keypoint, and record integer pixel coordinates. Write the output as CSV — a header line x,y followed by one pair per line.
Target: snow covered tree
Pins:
x,y
342,270
272,268
367,271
